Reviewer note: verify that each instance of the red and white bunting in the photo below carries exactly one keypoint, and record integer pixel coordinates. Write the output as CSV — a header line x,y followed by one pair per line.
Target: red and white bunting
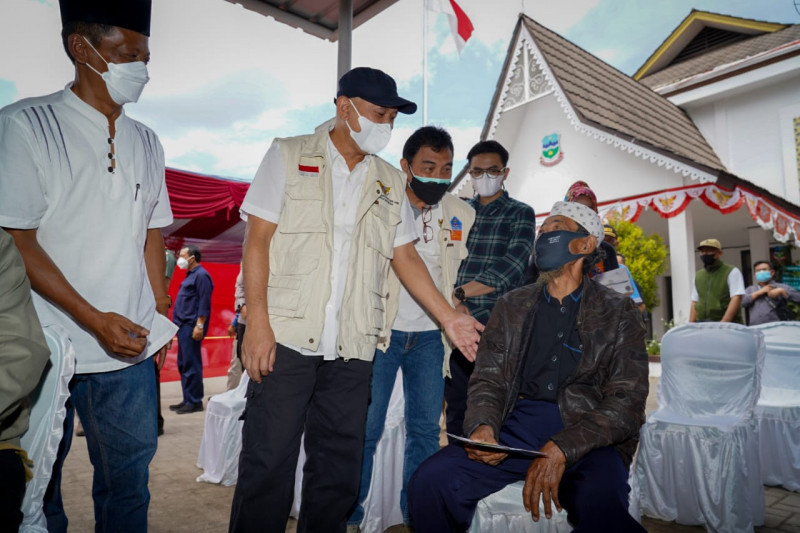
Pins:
x,y
673,202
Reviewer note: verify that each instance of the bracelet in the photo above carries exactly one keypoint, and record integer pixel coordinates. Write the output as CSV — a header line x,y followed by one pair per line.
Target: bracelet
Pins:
x,y
199,326
164,300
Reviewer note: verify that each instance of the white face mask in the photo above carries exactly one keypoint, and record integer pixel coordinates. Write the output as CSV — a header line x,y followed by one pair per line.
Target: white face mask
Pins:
x,y
124,81
486,185
183,263
373,137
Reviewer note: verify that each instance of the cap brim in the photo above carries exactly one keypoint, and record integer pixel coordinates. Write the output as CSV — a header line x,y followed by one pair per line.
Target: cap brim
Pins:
x,y
404,106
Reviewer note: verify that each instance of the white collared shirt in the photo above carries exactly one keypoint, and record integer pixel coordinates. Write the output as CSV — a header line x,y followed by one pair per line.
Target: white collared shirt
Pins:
x,y
265,197
410,315
91,222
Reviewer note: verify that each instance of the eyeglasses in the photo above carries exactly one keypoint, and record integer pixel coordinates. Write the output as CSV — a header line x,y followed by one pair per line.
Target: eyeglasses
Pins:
x,y
427,231
480,173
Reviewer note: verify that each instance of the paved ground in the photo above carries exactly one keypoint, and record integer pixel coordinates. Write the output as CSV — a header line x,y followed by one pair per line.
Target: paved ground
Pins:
x,y
180,504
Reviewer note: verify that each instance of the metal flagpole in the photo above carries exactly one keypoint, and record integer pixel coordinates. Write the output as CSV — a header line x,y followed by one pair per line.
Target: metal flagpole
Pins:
x,y
424,63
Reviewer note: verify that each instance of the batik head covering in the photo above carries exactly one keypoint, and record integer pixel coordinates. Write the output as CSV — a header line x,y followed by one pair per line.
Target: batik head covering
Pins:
x,y
580,188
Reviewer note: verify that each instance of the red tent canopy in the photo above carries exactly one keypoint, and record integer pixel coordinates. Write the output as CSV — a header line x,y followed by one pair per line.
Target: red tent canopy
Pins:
x,y
206,212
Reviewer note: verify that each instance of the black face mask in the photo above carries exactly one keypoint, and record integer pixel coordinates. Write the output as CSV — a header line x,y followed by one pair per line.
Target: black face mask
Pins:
x,y
552,249
430,192
708,260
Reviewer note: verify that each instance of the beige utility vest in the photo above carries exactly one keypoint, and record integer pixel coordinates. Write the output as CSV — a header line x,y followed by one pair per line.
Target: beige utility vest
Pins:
x,y
457,220
301,251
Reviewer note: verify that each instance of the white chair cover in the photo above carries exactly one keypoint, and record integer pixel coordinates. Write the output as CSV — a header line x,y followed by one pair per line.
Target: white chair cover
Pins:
x,y
382,506
46,426
698,453
222,436
503,512
778,408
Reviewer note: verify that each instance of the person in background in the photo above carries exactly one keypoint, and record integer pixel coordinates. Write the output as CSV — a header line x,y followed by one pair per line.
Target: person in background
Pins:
x,y
237,329
581,192
636,295
416,344
767,299
171,261
191,314
23,356
499,247
718,287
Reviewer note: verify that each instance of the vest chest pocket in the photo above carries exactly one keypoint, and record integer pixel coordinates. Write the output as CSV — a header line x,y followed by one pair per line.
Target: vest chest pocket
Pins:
x,y
380,228
302,209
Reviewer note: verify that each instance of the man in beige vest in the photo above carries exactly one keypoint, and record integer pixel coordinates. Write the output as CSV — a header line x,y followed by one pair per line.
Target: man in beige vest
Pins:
x,y
326,219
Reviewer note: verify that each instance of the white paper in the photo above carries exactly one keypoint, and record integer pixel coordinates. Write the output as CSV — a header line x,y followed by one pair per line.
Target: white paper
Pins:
x,y
617,279
498,447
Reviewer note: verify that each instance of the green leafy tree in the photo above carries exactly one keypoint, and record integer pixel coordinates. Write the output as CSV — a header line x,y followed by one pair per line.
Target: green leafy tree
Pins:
x,y
645,257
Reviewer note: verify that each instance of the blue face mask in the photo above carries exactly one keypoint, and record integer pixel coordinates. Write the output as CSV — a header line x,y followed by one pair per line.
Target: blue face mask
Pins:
x,y
551,250
763,276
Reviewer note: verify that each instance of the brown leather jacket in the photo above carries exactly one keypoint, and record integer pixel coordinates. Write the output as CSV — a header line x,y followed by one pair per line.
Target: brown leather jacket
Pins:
x,y
601,404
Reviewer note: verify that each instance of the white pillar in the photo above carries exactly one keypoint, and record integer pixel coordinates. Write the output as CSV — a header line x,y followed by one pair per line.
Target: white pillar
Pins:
x,y
681,263
759,243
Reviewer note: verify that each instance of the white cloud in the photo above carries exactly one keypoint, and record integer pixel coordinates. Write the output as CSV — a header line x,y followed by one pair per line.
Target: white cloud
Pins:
x,y
232,59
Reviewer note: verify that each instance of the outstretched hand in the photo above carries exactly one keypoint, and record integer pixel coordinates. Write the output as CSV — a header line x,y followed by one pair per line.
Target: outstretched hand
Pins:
x,y
464,332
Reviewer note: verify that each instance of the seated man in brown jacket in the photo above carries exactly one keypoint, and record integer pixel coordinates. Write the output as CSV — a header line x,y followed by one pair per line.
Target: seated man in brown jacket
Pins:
x,y
562,369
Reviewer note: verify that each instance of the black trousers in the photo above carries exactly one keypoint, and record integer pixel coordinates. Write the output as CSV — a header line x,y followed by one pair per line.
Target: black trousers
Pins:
x,y
455,392
240,339
12,490
328,401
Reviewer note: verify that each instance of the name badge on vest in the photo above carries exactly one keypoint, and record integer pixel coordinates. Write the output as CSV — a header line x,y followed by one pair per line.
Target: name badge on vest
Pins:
x,y
309,167
456,227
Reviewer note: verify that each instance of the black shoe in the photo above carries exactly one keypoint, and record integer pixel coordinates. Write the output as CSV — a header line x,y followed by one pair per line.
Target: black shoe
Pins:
x,y
176,406
189,408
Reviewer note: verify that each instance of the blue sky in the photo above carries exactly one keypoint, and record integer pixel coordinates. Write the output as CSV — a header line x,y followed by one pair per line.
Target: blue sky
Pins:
x,y
226,81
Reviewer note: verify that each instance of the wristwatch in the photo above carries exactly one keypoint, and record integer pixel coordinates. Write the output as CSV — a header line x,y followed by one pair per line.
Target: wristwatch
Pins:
x,y
459,294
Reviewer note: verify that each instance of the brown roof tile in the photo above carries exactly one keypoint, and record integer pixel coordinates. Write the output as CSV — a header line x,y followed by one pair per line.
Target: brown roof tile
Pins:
x,y
722,56
613,101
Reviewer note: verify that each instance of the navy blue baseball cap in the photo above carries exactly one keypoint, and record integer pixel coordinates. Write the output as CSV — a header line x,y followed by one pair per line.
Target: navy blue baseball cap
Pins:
x,y
374,86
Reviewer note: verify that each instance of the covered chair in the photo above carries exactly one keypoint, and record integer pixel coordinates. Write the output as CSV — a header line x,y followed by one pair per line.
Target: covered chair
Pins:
x,y
504,512
778,408
46,425
382,506
222,436
698,453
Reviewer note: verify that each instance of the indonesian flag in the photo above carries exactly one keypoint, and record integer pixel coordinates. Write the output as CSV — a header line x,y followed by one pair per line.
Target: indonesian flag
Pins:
x,y
460,24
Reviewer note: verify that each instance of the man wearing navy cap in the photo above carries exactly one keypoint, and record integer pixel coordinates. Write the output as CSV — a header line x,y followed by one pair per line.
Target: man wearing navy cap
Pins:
x,y
326,218
76,173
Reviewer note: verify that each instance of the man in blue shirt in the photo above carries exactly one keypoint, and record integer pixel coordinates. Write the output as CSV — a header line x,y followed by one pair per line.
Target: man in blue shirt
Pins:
x,y
190,313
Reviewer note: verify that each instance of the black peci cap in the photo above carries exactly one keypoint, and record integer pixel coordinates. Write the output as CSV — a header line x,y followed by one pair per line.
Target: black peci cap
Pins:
x,y
132,15
374,86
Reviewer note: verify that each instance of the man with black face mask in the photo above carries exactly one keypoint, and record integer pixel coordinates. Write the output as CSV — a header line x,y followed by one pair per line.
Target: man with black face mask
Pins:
x,y
718,287
416,344
562,369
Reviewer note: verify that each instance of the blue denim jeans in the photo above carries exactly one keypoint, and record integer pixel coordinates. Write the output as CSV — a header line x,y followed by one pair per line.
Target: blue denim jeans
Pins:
x,y
420,355
118,412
